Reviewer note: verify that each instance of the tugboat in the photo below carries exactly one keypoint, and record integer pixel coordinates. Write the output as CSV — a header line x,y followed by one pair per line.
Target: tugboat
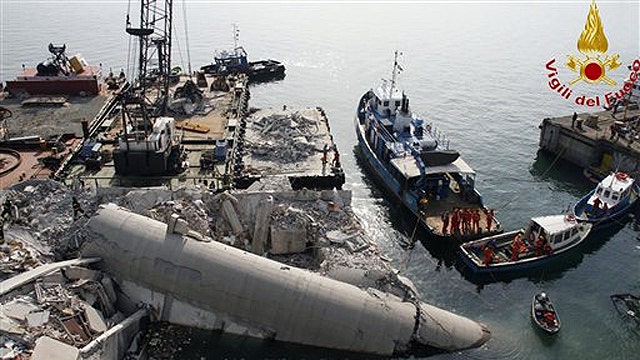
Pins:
x,y
58,75
414,163
613,197
235,61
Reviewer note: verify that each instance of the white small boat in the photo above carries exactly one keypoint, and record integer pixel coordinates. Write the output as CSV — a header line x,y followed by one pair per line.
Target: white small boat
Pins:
x,y
542,239
613,197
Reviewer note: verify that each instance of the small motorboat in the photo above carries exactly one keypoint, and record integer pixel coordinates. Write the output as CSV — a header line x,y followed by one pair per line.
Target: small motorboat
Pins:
x,y
628,305
544,315
613,197
542,239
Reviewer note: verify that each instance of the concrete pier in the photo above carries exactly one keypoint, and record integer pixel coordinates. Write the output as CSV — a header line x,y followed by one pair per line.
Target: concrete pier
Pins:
x,y
590,143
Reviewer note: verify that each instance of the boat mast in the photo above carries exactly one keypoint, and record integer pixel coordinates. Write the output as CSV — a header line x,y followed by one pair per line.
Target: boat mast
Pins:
x,y
394,73
236,36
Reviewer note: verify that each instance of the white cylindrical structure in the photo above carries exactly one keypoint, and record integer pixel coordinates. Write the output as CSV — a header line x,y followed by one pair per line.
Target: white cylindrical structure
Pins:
x,y
286,303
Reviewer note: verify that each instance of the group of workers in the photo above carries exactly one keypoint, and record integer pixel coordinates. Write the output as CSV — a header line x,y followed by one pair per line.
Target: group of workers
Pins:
x,y
540,246
465,221
325,159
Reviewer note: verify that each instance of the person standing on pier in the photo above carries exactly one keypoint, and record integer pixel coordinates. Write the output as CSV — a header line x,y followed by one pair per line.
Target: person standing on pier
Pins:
x,y
336,158
489,214
573,119
445,221
476,221
455,221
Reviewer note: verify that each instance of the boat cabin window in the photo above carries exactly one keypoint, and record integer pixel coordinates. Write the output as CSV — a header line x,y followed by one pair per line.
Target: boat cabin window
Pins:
x,y
557,238
614,196
385,103
574,231
607,193
599,190
397,103
567,235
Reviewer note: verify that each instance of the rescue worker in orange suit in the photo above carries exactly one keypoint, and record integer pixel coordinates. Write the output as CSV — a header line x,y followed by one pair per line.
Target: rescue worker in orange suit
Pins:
x,y
489,214
476,221
455,221
549,318
517,247
489,255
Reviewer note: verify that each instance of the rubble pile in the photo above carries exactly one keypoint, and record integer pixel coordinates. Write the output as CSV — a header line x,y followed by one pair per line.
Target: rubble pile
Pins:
x,y
283,138
73,306
17,257
41,227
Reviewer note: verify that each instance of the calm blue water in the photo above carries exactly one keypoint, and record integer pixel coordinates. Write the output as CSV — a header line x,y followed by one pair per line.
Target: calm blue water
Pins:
x,y
475,69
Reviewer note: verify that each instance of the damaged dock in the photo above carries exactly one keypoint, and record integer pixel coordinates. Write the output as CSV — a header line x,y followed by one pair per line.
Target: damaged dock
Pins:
x,y
599,142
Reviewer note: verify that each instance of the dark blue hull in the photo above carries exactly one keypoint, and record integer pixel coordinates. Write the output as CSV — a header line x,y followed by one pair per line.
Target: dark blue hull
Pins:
x,y
612,215
408,198
384,177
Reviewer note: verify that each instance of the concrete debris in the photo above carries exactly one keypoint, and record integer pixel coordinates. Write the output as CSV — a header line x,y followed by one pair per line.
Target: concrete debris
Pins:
x,y
39,318
314,230
94,318
62,303
285,138
18,309
51,349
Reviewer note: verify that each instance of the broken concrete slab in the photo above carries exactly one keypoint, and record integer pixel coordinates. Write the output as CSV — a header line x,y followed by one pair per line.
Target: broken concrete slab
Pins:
x,y
18,309
288,241
232,217
10,326
26,277
80,273
261,232
51,349
338,237
38,318
107,284
94,318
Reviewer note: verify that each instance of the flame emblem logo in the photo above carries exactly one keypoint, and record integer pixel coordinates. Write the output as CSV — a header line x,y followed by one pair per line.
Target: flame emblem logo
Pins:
x,y
593,44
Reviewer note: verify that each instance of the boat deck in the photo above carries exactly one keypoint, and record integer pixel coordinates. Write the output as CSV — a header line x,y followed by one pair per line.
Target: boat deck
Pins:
x,y
54,119
291,143
200,130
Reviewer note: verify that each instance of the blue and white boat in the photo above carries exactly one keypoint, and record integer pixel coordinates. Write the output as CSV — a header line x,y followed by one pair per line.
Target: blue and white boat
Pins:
x,y
612,198
541,240
414,163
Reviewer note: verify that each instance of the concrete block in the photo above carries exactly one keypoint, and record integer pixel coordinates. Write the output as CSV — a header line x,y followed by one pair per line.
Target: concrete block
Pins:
x,y
107,284
261,232
230,214
10,326
80,273
51,349
18,309
288,241
182,227
38,318
94,318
